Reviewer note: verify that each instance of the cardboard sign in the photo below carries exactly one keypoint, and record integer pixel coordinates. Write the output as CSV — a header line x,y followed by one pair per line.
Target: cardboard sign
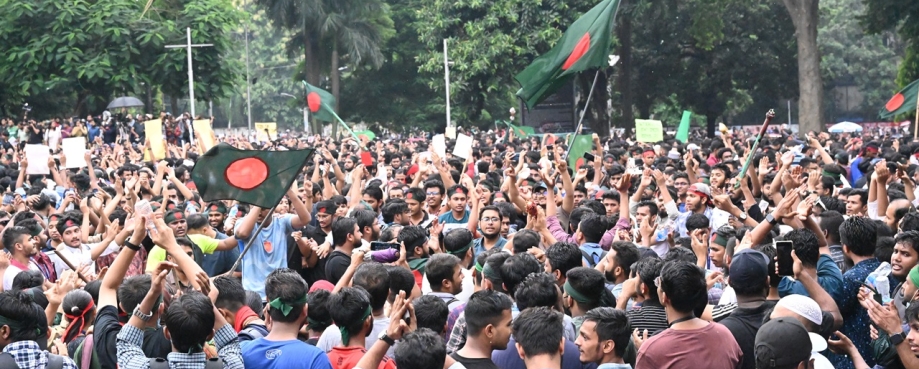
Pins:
x,y
450,132
266,131
38,159
74,150
463,145
439,143
204,131
649,131
153,129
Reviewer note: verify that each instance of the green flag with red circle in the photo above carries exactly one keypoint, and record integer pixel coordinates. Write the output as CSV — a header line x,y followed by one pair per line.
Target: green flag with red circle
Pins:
x,y
585,45
320,103
903,102
260,178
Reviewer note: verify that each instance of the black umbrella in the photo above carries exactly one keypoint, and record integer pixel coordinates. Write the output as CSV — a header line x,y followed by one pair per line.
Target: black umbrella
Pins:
x,y
125,102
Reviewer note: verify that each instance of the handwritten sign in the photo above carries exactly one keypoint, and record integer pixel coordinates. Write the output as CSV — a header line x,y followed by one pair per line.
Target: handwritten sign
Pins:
x,y
153,129
463,146
649,131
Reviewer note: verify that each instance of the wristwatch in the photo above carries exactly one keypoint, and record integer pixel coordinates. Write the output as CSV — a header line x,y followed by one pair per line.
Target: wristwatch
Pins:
x,y
897,339
389,341
743,216
771,219
142,316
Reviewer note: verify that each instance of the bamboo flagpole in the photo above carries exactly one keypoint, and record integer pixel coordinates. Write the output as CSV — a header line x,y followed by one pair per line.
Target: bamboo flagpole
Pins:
x,y
916,129
577,130
762,131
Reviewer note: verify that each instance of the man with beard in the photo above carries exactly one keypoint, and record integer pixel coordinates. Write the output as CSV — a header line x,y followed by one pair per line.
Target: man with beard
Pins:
x,y
415,199
21,246
216,215
490,223
309,265
396,212
269,250
369,224
698,201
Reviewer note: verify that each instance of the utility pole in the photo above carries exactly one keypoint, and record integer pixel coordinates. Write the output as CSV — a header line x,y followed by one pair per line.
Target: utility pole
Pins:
x,y
191,72
447,82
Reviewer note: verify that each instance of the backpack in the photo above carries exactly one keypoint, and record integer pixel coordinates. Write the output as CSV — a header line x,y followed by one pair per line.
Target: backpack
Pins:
x,y
84,361
54,361
590,258
160,363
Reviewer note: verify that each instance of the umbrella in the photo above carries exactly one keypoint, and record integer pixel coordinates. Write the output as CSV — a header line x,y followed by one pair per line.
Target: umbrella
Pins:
x,y
124,102
845,127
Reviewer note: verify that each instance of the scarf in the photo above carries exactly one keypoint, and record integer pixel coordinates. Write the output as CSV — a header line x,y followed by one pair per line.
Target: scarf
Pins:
x,y
242,315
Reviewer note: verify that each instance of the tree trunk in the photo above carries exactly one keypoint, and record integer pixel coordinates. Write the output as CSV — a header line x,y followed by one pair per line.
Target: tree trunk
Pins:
x,y
174,106
149,92
624,80
597,114
805,15
711,121
311,55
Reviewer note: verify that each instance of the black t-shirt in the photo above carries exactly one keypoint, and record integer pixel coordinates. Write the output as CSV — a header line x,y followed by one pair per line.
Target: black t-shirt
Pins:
x,y
105,333
294,256
475,363
743,324
336,265
35,138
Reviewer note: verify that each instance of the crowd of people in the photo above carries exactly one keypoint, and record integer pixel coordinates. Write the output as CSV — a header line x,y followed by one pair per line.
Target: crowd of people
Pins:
x,y
385,253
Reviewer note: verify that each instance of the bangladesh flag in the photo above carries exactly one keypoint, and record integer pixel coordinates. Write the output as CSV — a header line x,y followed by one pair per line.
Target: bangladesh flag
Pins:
x,y
320,102
521,131
903,102
585,45
368,133
579,145
260,178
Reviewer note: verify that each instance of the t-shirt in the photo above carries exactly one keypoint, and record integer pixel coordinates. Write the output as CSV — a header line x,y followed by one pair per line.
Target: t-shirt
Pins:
x,y
450,223
331,336
206,244
106,331
336,265
743,324
650,317
474,363
78,256
510,359
268,252
348,357
678,349
262,353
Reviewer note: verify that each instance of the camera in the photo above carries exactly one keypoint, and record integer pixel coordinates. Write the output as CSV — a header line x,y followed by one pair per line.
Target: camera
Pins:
x,y
26,108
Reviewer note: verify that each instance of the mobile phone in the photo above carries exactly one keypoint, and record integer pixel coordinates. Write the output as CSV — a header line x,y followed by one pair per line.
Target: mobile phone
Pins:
x,y
7,198
588,156
785,263
377,245
550,147
551,155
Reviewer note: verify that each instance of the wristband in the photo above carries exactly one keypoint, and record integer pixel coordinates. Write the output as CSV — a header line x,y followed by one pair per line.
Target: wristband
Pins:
x,y
131,246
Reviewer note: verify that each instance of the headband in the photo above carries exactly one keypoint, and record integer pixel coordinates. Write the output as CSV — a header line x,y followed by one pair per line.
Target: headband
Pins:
x,y
344,329
82,317
490,273
871,149
478,267
914,275
286,308
19,324
828,174
575,294
720,240
462,250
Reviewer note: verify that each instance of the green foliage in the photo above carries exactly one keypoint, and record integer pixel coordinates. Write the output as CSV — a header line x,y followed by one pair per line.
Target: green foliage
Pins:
x,y
882,16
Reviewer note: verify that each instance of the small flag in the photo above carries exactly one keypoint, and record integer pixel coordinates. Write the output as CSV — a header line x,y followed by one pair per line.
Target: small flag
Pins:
x,y
682,132
580,144
320,102
368,133
903,102
260,178
585,45
521,131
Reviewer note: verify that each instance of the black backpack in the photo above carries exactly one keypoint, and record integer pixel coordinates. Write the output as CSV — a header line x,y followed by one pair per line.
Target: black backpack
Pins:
x,y
8,362
590,258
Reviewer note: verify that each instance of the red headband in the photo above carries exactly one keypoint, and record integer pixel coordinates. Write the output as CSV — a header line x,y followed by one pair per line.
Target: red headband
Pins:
x,y
408,195
700,194
69,224
73,319
871,149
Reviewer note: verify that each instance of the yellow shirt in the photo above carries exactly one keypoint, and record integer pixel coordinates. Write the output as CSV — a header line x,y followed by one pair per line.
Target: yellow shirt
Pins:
x,y
157,254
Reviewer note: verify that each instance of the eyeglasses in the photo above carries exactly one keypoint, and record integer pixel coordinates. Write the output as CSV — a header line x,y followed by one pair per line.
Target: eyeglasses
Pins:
x,y
433,193
491,219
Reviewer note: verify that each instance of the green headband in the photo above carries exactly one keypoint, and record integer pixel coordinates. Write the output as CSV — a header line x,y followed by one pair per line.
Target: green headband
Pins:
x,y
577,296
19,325
463,250
344,329
490,273
284,307
720,240
914,275
828,174
479,267
315,324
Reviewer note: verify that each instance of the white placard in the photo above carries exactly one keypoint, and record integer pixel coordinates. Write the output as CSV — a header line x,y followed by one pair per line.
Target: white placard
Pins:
x,y
463,146
74,150
439,142
38,159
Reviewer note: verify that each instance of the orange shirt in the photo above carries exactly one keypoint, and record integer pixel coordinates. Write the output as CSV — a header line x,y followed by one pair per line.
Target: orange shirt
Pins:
x,y
348,357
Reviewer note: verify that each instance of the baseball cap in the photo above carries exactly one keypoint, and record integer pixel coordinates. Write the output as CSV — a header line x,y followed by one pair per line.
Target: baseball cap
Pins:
x,y
781,343
749,268
701,189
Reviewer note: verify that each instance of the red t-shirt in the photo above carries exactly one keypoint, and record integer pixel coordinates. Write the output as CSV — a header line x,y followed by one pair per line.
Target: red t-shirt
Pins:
x,y
348,357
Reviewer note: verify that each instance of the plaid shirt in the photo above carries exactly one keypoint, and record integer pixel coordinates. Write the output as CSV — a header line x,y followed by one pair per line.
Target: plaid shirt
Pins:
x,y
131,356
28,355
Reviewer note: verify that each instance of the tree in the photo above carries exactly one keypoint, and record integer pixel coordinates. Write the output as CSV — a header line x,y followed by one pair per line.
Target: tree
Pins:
x,y
900,16
805,15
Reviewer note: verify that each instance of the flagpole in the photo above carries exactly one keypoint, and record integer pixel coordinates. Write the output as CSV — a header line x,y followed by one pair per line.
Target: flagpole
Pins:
x,y
583,113
916,131
252,238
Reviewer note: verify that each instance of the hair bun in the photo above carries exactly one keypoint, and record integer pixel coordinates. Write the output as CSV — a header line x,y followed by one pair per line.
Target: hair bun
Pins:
x,y
74,309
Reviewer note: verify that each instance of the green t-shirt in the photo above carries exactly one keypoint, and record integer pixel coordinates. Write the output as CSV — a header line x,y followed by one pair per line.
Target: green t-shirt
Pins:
x,y
206,244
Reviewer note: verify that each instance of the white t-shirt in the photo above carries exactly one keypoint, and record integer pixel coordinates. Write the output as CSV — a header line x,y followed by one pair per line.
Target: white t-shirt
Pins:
x,y
11,273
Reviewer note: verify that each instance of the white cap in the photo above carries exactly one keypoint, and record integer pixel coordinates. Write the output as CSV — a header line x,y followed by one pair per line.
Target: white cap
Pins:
x,y
692,146
804,306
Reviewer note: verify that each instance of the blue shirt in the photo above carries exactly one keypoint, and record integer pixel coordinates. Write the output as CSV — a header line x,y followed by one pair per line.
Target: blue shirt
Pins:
x,y
855,318
220,261
828,276
264,354
478,245
92,131
853,168
268,252
680,221
592,249
450,223
509,359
